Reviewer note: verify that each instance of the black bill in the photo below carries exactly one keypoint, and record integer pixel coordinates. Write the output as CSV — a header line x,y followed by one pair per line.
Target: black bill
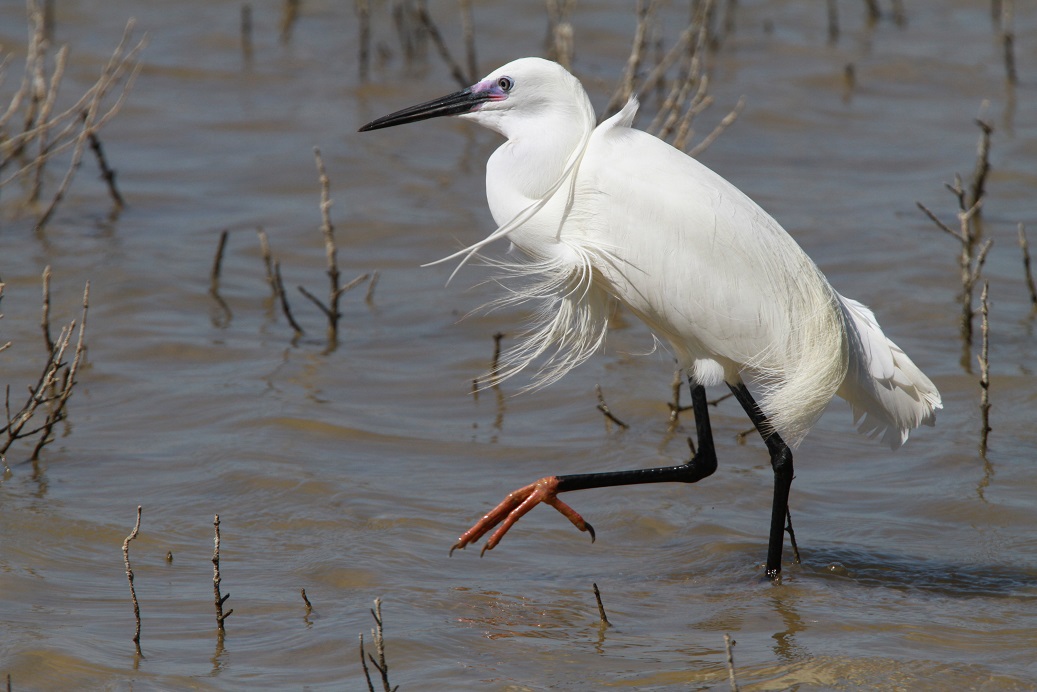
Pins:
x,y
459,102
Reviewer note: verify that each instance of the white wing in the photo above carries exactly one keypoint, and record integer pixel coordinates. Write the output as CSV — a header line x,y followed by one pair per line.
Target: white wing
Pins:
x,y
710,272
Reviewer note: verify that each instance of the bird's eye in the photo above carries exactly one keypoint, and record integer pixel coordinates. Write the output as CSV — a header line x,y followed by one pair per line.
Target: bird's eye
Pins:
x,y
505,84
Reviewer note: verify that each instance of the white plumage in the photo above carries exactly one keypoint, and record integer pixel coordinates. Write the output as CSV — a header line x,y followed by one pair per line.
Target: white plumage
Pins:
x,y
609,214
622,216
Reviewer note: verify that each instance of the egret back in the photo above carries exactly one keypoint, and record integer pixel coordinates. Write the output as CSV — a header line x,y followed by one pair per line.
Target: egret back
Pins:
x,y
710,272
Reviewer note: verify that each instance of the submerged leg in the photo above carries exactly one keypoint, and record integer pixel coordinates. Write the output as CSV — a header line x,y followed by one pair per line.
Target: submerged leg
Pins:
x,y
781,463
545,490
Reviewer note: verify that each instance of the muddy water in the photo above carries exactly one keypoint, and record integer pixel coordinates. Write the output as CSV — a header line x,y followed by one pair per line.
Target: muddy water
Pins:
x,y
350,472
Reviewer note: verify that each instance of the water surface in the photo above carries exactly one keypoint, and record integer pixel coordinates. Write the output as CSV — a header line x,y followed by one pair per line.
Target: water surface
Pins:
x,y
350,472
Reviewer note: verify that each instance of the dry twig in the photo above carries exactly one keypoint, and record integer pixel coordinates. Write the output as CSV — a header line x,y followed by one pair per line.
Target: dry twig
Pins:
x,y
289,15
363,664
45,317
129,577
1024,246
216,579
335,291
603,619
72,129
433,31
724,123
675,405
728,646
604,408
61,389
107,174
279,290
268,260
328,231
7,344
52,390
217,264
493,378
222,319
792,536
379,642
625,89
560,32
495,363
369,296
468,29
413,39
978,184
1008,40
969,234
984,371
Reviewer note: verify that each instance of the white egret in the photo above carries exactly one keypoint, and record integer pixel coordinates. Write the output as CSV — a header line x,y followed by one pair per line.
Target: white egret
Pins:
x,y
609,214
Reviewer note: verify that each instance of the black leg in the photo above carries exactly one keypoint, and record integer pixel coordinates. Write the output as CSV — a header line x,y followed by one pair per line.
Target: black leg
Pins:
x,y
545,490
703,464
781,462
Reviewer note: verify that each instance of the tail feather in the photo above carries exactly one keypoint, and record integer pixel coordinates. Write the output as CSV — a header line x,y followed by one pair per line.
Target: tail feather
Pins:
x,y
887,392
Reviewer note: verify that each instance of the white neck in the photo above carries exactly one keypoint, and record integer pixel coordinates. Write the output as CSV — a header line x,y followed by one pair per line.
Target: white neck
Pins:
x,y
534,158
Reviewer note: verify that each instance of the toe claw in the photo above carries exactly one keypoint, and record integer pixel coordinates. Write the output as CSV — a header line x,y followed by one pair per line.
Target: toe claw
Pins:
x,y
590,530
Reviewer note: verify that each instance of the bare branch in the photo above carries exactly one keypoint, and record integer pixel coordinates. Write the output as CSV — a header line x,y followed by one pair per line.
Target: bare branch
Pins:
x,y
328,231
268,260
625,89
603,619
279,290
728,645
64,391
977,186
727,121
437,38
107,174
604,408
129,577
217,264
984,371
468,29
216,579
1025,247
940,224
45,317
1008,40
369,297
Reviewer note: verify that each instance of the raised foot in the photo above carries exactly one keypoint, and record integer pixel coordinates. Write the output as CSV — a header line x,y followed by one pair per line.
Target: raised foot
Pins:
x,y
514,507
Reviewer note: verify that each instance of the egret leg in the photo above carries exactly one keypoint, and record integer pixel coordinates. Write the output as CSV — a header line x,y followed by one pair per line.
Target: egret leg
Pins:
x,y
545,490
781,463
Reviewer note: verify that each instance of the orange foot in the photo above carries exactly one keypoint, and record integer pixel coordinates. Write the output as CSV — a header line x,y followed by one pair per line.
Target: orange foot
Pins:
x,y
514,507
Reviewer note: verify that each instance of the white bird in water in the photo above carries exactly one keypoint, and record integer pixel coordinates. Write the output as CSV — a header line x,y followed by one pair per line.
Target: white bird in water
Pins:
x,y
609,214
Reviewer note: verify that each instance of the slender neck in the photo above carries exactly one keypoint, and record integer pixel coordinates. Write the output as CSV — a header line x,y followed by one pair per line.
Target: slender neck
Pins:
x,y
534,158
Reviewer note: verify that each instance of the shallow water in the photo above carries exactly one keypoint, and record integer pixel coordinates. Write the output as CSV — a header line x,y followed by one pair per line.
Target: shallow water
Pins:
x,y
349,473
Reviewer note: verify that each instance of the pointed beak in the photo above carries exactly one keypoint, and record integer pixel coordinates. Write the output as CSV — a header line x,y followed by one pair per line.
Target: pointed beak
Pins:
x,y
464,101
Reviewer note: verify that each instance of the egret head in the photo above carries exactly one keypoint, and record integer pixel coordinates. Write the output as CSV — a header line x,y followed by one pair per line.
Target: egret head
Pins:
x,y
519,94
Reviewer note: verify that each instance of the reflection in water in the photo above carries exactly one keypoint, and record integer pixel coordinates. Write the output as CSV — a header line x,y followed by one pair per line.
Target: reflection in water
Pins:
x,y
786,648
914,573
